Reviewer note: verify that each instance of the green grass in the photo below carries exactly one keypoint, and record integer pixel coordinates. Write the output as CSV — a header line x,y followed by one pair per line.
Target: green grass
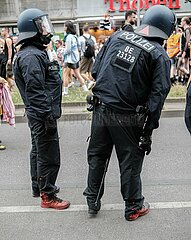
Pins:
x,y
76,94
177,91
16,97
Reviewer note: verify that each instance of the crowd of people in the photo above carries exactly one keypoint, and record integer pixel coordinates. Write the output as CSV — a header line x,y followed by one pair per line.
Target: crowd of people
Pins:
x,y
178,48
75,55
7,52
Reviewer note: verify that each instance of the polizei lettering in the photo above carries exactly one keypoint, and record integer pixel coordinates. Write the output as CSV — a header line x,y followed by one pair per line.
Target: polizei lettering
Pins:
x,y
53,68
137,40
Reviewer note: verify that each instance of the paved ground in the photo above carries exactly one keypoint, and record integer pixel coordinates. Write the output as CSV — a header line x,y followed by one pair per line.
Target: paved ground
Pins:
x,y
166,185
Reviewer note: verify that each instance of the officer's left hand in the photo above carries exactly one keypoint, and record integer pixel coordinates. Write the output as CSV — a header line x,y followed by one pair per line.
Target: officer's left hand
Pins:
x,y
145,143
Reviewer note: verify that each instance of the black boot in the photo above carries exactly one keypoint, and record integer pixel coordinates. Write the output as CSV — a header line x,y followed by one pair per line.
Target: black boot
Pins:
x,y
172,81
94,208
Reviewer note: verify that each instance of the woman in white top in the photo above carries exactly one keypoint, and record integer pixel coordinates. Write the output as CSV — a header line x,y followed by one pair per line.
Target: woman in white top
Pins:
x,y
71,55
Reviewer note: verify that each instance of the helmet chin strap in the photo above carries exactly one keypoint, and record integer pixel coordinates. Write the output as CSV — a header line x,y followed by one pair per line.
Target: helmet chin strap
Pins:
x,y
39,41
45,40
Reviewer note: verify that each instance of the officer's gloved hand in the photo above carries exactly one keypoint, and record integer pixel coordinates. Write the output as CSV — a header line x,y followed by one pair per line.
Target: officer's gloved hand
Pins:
x,y
92,101
50,125
145,143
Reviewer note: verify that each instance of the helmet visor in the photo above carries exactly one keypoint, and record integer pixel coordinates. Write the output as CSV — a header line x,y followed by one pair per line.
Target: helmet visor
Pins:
x,y
44,25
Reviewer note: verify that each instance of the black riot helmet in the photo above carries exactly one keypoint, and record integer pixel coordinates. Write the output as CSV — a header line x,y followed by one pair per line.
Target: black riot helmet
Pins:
x,y
32,22
158,22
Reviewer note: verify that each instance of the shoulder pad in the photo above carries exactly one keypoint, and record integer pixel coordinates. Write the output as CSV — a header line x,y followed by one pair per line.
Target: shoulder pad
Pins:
x,y
137,40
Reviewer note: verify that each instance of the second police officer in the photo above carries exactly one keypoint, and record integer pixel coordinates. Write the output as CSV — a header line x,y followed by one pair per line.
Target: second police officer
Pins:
x,y
40,86
132,73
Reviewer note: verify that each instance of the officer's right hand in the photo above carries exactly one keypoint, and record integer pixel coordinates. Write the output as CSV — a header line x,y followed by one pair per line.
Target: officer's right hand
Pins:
x,y
145,143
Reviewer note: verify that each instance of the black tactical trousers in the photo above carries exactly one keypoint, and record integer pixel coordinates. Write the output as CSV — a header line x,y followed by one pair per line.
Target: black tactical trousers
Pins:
x,y
44,157
121,130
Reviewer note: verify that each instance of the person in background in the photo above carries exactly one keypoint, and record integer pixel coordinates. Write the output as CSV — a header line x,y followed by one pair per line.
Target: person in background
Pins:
x,y
9,51
59,51
64,70
7,108
130,21
1,52
185,24
173,49
2,81
71,56
88,46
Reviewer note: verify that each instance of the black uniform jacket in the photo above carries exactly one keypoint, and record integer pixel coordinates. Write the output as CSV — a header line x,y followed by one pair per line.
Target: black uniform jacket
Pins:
x,y
39,82
188,108
130,71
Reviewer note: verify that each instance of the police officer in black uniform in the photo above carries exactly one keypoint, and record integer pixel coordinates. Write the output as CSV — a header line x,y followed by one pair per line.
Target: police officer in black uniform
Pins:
x,y
132,73
40,86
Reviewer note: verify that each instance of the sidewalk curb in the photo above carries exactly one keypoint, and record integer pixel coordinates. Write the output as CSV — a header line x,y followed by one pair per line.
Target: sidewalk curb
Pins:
x,y
84,103
72,117
172,113
65,104
81,116
175,100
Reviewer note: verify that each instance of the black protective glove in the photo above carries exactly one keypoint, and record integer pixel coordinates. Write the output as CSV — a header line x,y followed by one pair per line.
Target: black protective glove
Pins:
x,y
50,126
93,101
145,143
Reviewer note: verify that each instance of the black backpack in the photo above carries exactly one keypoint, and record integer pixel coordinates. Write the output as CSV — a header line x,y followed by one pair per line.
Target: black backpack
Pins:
x,y
90,47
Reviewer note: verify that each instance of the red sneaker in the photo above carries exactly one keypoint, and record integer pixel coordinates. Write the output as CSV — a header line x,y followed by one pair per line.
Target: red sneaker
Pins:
x,y
139,213
52,201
